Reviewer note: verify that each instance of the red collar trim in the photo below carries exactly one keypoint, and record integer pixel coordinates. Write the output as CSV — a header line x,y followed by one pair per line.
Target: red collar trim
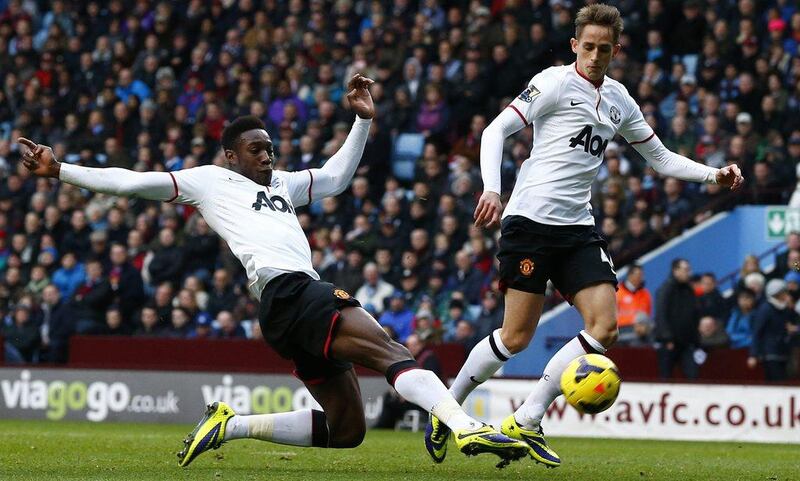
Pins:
x,y
596,84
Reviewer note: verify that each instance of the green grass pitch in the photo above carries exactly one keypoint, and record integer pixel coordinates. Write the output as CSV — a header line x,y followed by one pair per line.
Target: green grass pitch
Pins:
x,y
40,450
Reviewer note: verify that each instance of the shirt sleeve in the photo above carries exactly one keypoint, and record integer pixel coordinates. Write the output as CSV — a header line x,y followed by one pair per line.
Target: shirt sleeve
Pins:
x,y
538,98
635,128
193,185
299,185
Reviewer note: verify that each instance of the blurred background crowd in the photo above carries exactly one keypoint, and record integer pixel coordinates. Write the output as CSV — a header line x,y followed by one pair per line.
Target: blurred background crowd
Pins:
x,y
149,85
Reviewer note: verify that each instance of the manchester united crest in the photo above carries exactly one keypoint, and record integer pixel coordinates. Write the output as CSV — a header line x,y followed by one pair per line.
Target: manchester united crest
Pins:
x,y
341,294
526,267
614,114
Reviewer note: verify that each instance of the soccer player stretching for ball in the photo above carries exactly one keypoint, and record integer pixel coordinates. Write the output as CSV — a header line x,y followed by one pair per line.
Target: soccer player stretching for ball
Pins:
x,y
547,228
321,328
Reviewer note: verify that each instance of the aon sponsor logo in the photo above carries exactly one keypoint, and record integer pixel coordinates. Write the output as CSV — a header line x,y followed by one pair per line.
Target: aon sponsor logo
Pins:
x,y
592,144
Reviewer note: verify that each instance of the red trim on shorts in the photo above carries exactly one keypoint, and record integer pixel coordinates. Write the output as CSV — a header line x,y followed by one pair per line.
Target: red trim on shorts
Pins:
x,y
175,184
394,379
310,184
519,113
502,285
643,141
327,347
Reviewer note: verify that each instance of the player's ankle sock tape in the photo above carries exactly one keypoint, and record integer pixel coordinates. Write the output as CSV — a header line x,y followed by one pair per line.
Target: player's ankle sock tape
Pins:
x,y
319,429
498,348
590,344
398,368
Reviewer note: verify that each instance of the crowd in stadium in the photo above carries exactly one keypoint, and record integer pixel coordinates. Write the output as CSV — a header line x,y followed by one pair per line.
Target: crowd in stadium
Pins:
x,y
150,85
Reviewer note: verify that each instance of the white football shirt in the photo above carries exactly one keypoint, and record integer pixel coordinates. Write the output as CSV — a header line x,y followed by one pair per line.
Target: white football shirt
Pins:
x,y
573,120
258,222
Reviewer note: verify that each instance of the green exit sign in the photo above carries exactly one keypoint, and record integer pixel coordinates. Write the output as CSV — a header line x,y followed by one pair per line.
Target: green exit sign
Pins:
x,y
780,221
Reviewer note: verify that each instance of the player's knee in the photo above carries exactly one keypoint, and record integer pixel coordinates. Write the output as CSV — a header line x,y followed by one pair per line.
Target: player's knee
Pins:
x,y
349,436
515,341
607,335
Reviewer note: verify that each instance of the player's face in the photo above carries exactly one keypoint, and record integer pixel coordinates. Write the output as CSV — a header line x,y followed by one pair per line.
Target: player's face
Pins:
x,y
253,156
595,48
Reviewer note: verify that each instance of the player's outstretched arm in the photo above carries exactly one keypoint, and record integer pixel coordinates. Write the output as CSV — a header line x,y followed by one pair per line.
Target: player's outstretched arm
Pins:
x,y
334,177
489,208
41,161
668,163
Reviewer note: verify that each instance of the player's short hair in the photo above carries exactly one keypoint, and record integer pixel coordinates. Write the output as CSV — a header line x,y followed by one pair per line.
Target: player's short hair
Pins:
x,y
599,14
236,128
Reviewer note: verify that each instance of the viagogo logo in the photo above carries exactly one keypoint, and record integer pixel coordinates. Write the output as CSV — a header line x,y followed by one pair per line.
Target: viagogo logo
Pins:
x,y
98,398
258,399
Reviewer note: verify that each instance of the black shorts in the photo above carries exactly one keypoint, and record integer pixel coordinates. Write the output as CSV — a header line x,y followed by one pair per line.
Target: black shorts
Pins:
x,y
298,317
572,256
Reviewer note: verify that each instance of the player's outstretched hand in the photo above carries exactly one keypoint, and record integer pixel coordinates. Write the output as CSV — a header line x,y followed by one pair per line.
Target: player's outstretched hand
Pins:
x,y
730,176
487,213
39,159
359,98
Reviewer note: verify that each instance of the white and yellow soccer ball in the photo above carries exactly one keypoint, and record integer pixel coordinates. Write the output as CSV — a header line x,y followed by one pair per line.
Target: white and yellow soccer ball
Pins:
x,y
590,383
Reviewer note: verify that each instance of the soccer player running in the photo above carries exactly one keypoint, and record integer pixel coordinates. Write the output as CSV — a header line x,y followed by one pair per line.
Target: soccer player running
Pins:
x,y
547,229
321,328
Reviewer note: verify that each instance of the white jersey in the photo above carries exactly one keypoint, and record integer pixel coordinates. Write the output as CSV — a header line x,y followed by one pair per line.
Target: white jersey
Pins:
x,y
573,120
258,222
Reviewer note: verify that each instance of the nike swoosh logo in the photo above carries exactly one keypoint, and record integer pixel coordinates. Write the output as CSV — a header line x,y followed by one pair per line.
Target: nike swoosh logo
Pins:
x,y
574,103
236,180
472,378
462,436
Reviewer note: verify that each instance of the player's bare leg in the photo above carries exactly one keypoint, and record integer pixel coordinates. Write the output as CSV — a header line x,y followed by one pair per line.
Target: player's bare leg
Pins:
x,y
597,304
361,340
521,316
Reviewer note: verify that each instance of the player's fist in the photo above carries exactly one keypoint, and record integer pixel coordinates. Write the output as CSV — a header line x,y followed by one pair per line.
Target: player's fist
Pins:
x,y
487,213
38,158
730,176
359,98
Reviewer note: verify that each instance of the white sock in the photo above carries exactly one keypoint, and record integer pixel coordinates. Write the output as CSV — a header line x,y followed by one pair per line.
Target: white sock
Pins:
x,y
548,387
483,361
294,428
424,389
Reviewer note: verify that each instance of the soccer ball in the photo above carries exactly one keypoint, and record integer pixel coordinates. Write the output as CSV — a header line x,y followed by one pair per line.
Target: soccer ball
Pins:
x,y
591,383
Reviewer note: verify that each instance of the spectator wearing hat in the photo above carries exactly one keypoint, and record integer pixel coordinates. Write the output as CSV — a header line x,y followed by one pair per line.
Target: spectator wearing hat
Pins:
x,y
398,317
740,322
775,324
426,326
638,334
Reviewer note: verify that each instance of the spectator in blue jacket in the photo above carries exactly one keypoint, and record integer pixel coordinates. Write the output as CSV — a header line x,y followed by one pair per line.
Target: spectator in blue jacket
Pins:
x,y
398,316
740,322
69,276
